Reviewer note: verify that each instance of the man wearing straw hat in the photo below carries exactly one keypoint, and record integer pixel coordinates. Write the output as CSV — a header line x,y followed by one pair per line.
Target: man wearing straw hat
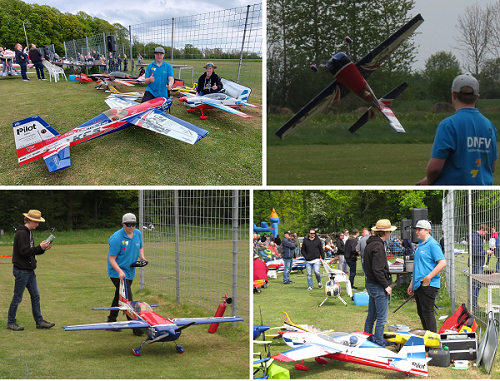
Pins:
x,y
378,279
209,82
23,259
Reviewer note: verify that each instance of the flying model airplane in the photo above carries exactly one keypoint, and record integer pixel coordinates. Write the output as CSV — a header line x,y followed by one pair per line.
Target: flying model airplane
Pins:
x,y
350,77
235,97
160,329
36,139
356,348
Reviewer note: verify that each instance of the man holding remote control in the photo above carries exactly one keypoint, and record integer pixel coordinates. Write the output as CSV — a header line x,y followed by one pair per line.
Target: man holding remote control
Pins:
x,y
23,259
125,246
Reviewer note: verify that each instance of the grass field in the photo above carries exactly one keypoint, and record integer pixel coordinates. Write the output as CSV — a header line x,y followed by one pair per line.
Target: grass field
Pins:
x,y
324,152
72,279
132,156
302,307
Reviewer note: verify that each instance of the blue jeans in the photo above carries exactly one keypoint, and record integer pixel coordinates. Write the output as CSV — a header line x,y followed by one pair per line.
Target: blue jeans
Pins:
x,y
378,307
39,70
288,267
352,271
25,279
309,269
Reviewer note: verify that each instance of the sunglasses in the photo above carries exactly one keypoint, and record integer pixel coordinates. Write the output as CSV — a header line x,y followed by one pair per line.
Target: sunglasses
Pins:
x,y
129,225
312,233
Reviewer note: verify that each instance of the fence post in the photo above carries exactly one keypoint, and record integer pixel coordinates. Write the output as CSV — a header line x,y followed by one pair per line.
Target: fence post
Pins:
x,y
177,254
469,244
130,43
235,229
141,224
242,45
172,43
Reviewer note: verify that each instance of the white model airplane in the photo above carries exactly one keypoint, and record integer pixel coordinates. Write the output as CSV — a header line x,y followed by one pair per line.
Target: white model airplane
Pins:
x,y
353,347
235,97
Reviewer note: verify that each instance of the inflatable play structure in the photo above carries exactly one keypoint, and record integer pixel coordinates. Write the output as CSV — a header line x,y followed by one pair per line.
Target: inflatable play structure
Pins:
x,y
265,228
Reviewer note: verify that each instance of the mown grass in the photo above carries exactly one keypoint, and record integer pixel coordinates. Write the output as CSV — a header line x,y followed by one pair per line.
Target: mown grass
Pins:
x,y
324,152
302,307
72,279
132,156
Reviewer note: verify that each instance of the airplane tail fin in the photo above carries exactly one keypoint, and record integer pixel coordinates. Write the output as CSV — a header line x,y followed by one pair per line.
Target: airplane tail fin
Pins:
x,y
31,136
123,296
385,101
413,359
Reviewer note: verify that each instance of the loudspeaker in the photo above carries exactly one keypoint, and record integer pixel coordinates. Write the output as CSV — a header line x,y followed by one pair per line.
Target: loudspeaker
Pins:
x,y
417,214
111,43
405,229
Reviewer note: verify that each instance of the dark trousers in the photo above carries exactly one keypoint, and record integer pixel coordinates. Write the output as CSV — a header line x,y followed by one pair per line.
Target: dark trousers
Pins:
x,y
352,271
425,297
147,96
116,281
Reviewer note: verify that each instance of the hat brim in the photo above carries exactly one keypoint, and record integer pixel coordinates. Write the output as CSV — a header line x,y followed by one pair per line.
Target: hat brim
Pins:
x,y
391,229
41,219
215,67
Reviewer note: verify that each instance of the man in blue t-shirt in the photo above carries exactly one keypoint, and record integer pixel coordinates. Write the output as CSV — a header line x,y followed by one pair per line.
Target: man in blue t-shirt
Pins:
x,y
428,262
159,77
125,246
465,146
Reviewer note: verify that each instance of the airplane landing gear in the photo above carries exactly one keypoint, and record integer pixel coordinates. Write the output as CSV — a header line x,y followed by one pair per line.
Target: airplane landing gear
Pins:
x,y
137,352
179,349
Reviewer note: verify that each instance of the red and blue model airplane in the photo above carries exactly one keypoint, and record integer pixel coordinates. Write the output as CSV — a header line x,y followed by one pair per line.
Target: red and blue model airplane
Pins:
x,y
159,329
36,139
351,77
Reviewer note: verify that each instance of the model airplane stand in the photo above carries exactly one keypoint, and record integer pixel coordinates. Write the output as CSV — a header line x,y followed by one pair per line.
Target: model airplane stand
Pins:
x,y
332,286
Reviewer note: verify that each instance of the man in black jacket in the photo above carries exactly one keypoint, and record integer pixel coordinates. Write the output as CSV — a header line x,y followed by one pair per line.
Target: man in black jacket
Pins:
x,y
312,250
351,255
23,259
378,279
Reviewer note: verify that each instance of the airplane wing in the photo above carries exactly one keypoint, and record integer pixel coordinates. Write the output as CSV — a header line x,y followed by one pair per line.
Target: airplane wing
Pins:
x,y
165,124
114,101
187,95
206,320
226,108
116,325
246,104
305,351
335,91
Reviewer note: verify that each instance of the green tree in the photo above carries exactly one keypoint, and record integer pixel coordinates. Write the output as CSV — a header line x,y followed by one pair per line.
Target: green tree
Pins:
x,y
440,70
490,79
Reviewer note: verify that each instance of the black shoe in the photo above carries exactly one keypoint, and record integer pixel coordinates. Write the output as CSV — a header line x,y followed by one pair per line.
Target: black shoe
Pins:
x,y
289,282
354,287
15,327
45,325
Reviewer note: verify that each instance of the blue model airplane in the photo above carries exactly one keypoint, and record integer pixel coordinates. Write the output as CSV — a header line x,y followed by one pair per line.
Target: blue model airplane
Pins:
x,y
159,329
351,77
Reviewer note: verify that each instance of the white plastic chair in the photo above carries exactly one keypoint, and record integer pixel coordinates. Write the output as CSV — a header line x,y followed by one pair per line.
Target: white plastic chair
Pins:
x,y
54,71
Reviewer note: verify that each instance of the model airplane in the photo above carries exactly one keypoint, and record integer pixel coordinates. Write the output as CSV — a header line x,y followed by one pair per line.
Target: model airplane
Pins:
x,y
235,97
356,348
36,139
160,329
114,78
431,339
350,77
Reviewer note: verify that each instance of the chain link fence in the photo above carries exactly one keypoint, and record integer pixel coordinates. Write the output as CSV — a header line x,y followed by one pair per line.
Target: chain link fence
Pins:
x,y
196,242
471,219
231,38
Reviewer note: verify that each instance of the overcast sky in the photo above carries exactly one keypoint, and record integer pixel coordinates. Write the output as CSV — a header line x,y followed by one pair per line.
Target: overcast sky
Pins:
x,y
437,33
127,12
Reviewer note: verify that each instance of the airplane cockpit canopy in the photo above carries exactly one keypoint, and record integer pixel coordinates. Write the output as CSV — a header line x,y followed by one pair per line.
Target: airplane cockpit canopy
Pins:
x,y
141,307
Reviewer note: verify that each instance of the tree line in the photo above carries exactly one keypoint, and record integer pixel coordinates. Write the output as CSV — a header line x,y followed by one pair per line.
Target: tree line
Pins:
x,y
46,25
68,209
331,211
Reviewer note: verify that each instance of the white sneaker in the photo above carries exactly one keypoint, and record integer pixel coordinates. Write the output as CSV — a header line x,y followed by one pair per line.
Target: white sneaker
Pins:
x,y
320,285
309,288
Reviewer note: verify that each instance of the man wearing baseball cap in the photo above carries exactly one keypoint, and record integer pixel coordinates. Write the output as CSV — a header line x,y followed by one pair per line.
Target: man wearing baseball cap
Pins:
x,y
465,145
288,245
125,246
159,77
378,279
428,263
23,259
